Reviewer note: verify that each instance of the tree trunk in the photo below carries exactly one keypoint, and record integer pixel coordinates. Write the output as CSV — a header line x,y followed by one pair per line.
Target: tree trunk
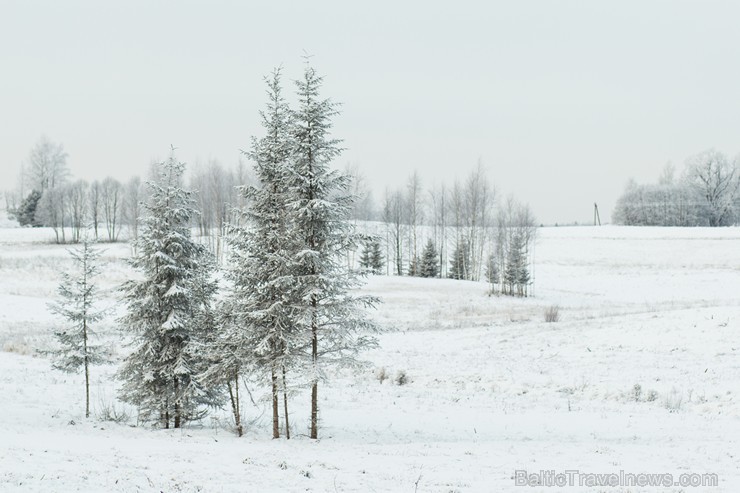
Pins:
x,y
275,406
315,386
285,404
87,369
177,404
234,395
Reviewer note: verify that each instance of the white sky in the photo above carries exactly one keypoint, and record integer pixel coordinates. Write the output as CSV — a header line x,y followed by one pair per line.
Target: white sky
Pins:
x,y
563,101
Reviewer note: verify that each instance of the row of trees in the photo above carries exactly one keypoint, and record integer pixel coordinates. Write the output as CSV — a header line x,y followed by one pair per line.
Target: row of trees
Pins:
x,y
464,226
286,311
47,196
69,206
706,194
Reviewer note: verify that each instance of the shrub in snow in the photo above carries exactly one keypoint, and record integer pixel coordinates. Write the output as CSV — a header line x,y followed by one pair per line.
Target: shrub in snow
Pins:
x,y
401,378
673,400
382,374
17,347
107,411
552,314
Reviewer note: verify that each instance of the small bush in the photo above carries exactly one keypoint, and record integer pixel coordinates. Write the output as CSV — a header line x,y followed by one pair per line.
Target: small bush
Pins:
x,y
108,412
636,393
382,374
552,314
17,347
652,396
673,400
401,378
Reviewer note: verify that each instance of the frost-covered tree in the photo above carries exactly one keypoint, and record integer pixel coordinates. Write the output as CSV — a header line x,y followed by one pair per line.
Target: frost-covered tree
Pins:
x,y
165,308
460,263
26,211
493,272
414,269
429,260
366,258
393,217
716,180
377,261
111,195
516,274
78,294
260,335
334,319
372,259
47,165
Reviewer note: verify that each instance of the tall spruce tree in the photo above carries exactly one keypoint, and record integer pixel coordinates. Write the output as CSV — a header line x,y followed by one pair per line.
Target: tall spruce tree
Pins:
x,y
78,294
334,320
260,327
165,308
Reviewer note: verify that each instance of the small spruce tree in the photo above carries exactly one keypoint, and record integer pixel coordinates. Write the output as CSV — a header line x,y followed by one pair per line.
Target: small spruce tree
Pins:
x,y
429,260
77,307
25,214
516,273
378,260
460,261
492,272
366,259
522,273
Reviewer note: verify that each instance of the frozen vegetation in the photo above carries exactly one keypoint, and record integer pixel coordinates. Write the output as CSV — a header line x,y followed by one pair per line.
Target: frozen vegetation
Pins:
x,y
640,374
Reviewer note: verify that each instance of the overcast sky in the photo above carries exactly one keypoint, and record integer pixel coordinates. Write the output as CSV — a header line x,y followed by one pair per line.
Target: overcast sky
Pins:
x,y
562,101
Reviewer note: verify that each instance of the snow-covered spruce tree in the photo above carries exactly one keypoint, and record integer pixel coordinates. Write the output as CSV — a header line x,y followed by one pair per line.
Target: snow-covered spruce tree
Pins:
x,y
378,260
166,308
334,319
260,330
77,306
516,272
366,259
522,274
429,265
460,260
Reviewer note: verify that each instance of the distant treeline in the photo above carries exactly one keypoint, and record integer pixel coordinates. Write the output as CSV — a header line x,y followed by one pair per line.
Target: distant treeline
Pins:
x,y
706,194
459,230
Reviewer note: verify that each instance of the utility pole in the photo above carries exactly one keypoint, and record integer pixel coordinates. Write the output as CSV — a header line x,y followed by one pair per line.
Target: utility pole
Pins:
x,y
597,218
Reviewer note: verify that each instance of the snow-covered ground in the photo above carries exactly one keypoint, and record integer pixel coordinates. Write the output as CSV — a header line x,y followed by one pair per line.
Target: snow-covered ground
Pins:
x,y
641,375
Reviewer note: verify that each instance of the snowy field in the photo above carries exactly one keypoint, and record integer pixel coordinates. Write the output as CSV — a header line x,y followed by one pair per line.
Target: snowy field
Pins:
x,y
641,375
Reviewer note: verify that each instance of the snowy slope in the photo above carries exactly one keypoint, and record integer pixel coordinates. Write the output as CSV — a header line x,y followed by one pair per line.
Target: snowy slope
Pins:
x,y
493,388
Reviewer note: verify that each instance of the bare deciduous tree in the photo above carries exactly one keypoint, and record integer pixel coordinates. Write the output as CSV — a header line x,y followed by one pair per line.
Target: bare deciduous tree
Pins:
x,y
715,178
47,165
112,199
